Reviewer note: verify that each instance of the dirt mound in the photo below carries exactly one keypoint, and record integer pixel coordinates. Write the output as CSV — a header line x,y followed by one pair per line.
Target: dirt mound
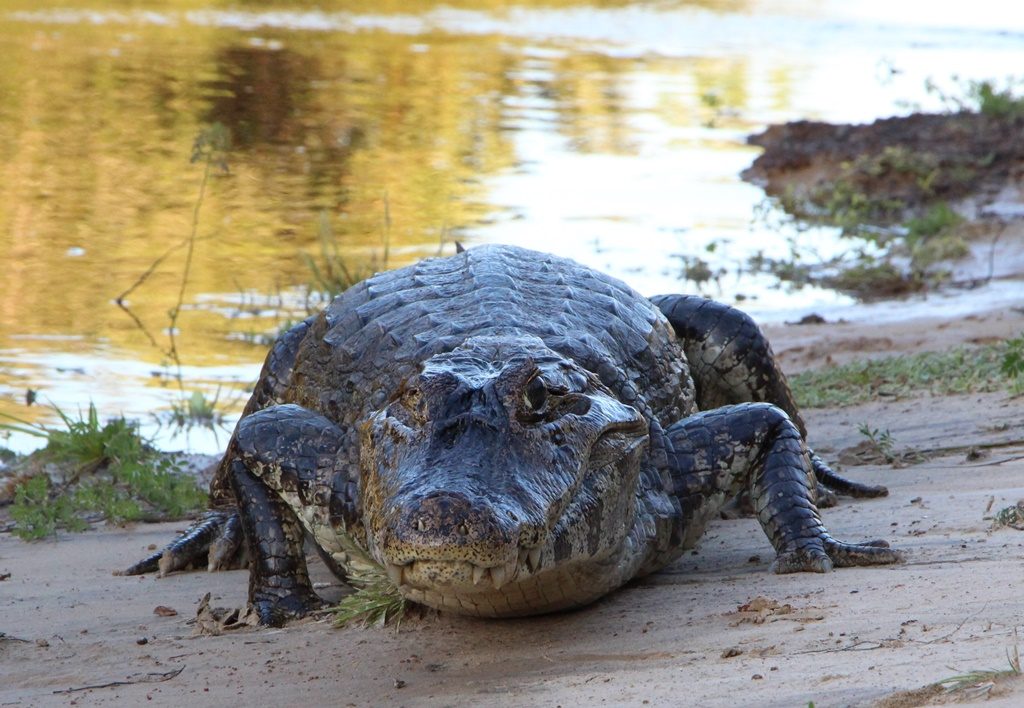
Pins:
x,y
935,199
917,160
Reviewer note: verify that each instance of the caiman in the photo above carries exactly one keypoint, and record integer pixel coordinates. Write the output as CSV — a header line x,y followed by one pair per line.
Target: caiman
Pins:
x,y
510,433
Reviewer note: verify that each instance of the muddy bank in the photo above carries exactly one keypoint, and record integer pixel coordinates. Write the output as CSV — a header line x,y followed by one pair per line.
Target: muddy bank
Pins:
x,y
916,160
937,198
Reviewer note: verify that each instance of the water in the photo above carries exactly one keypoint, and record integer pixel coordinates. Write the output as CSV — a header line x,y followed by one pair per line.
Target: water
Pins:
x,y
606,131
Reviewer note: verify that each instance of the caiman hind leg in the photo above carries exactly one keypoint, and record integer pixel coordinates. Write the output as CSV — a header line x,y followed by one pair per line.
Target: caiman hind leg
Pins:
x,y
717,454
731,362
215,539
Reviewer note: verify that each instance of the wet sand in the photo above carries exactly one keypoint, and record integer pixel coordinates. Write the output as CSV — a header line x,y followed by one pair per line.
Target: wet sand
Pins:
x,y
715,629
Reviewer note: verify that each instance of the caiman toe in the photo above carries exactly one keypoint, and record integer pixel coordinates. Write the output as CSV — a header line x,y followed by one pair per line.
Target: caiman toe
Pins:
x,y
274,610
827,553
802,560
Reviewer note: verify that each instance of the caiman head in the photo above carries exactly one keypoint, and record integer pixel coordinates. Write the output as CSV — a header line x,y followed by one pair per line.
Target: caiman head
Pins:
x,y
500,481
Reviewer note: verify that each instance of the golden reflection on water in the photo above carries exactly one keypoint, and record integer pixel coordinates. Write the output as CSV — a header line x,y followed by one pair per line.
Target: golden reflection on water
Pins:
x,y
97,124
95,140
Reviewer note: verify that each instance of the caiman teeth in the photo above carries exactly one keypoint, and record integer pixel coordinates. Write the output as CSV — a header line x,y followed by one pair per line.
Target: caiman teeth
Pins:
x,y
478,574
498,576
533,558
529,558
395,573
501,574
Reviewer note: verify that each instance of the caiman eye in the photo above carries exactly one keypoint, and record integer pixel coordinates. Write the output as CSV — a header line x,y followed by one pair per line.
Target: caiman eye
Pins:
x,y
536,394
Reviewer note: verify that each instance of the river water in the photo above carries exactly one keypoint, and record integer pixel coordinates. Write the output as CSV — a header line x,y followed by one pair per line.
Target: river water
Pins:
x,y
611,132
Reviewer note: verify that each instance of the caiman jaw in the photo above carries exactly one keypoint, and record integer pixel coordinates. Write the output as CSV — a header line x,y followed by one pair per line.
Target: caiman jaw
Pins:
x,y
464,575
456,540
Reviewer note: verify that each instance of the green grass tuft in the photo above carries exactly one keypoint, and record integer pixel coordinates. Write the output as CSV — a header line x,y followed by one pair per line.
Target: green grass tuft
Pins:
x,y
939,218
975,684
1012,364
376,601
995,102
197,410
107,470
960,370
37,514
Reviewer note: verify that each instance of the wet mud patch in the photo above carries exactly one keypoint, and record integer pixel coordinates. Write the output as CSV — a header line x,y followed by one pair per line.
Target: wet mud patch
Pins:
x,y
936,199
902,163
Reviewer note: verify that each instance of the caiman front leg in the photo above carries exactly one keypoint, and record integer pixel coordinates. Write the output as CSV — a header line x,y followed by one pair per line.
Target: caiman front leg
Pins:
x,y
279,586
732,362
287,458
755,447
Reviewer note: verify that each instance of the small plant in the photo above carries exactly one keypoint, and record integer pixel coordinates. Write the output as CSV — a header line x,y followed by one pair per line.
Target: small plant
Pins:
x,y
874,280
715,108
1011,516
846,204
698,271
881,441
1012,364
984,97
84,444
335,273
1013,357
376,601
159,482
36,514
108,470
995,102
197,409
788,270
938,219
932,238
976,684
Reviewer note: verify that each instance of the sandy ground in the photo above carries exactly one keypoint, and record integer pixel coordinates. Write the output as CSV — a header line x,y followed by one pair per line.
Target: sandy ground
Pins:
x,y
715,629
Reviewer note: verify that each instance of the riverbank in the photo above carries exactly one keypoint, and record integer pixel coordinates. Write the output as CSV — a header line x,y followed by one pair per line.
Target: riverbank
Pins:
x,y
715,627
934,199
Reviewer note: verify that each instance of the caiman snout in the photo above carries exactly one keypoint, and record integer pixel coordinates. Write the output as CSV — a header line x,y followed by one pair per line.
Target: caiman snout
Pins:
x,y
444,521
453,538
